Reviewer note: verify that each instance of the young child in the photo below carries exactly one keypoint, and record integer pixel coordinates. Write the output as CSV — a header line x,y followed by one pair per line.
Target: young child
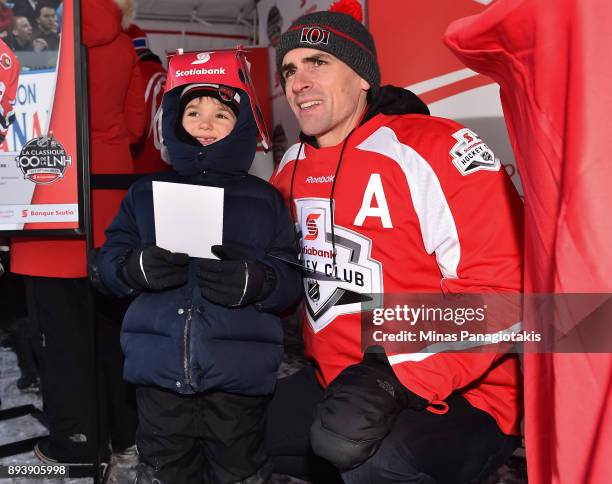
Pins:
x,y
201,339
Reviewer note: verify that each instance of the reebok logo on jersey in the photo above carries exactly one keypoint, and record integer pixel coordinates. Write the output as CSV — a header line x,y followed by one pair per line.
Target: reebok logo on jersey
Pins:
x,y
320,179
471,154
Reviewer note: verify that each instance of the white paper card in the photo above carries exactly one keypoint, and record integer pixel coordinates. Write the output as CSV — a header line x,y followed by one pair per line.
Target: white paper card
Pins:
x,y
188,218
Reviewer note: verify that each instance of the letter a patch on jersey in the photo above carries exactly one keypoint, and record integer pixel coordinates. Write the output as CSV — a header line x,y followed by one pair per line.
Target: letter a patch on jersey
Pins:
x,y
374,191
471,154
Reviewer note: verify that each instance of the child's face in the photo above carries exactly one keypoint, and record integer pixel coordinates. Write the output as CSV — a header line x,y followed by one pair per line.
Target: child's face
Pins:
x,y
208,120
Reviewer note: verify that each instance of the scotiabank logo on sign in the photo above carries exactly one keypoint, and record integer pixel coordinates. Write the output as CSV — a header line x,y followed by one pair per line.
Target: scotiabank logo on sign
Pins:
x,y
335,285
202,58
43,160
311,226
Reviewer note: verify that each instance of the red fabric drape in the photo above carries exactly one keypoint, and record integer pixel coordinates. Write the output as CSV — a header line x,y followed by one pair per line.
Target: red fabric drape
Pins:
x,y
552,60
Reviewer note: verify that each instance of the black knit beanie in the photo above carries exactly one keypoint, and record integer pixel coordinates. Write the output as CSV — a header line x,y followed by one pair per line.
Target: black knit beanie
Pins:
x,y
337,33
224,94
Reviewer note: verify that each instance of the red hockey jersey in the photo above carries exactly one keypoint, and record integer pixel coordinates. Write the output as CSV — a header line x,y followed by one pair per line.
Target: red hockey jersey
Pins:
x,y
420,206
147,157
9,76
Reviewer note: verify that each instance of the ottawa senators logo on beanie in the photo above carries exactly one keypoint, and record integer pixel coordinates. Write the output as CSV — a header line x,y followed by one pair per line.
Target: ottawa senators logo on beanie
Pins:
x,y
339,32
314,36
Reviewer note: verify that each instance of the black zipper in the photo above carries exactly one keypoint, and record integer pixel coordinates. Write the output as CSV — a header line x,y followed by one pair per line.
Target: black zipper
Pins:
x,y
186,338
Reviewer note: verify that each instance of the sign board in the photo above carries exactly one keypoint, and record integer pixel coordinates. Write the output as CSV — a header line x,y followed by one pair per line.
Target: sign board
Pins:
x,y
42,161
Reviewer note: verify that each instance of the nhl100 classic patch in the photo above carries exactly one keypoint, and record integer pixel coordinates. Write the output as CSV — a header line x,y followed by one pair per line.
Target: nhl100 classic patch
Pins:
x,y
43,160
471,154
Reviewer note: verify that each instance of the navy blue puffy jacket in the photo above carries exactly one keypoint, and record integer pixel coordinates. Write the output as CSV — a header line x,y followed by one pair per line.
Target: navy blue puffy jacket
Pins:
x,y
177,339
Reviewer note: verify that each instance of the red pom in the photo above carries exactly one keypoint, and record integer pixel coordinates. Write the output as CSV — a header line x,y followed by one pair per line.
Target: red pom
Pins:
x,y
351,7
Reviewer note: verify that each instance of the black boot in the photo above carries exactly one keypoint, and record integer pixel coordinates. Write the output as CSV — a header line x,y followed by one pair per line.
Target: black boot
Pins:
x,y
28,383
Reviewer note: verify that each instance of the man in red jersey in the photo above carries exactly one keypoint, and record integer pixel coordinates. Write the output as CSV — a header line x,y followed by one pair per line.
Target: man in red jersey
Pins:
x,y
9,77
389,200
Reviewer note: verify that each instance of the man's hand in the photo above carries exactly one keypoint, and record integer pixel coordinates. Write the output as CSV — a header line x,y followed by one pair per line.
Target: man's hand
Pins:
x,y
154,269
38,45
233,281
358,410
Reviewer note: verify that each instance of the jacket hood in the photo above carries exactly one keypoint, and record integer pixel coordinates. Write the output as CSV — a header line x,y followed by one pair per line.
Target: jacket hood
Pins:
x,y
101,22
395,100
389,100
231,155
128,12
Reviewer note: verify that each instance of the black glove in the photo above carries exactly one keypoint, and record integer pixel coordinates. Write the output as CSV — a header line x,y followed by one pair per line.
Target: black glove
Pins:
x,y
154,269
359,408
233,281
93,273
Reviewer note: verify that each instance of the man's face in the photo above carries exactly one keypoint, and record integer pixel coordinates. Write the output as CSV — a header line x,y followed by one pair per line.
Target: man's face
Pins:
x,y
22,29
47,20
326,96
208,120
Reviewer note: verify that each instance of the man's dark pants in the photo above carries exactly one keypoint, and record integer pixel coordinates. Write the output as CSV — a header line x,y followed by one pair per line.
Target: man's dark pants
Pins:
x,y
58,308
462,445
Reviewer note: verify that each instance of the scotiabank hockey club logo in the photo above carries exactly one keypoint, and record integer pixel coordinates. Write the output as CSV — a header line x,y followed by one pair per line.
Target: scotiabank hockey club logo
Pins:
x,y
43,160
334,289
471,154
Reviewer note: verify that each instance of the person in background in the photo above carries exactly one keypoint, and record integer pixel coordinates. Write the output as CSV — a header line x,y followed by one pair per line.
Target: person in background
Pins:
x,y
21,37
59,11
147,156
119,110
26,8
118,117
57,286
47,25
19,333
398,202
201,338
